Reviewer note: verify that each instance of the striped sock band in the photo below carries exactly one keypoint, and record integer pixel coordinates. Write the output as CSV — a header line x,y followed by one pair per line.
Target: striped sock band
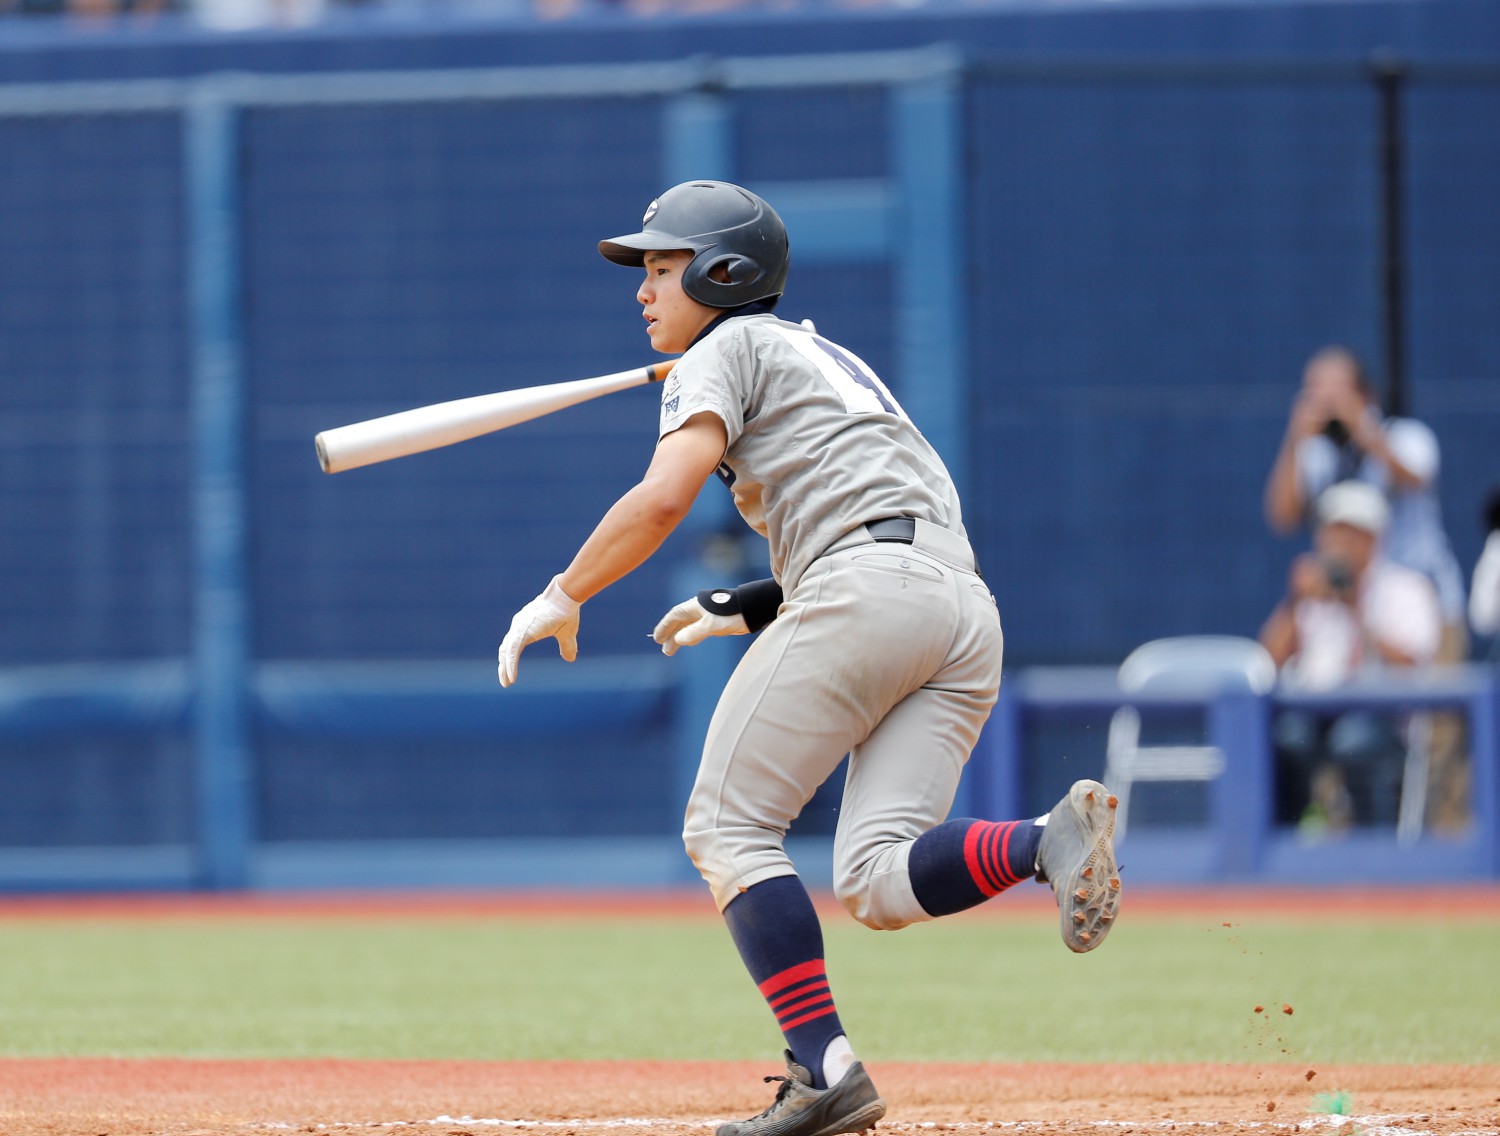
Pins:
x,y
799,994
987,847
961,863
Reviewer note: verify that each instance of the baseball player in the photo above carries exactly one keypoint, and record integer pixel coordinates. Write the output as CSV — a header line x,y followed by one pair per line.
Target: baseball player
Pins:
x,y
877,638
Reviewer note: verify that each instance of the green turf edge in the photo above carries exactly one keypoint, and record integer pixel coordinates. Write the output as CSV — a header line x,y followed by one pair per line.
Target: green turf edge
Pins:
x,y
1161,990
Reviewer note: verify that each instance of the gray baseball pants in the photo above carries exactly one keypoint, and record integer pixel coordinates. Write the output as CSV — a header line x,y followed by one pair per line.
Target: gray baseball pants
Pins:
x,y
887,652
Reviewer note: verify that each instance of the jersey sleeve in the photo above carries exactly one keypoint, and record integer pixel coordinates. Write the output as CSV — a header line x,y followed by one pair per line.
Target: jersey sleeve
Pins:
x,y
1415,446
1484,597
1317,464
710,377
1404,613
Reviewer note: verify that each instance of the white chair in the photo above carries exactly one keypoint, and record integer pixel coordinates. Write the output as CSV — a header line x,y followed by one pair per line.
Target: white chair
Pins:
x,y
1413,807
1196,665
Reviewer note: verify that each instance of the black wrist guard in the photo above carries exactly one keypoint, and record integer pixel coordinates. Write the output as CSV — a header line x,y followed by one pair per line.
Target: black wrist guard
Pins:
x,y
758,601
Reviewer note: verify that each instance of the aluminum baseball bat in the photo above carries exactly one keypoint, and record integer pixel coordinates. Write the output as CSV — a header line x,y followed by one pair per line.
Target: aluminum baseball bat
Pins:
x,y
444,423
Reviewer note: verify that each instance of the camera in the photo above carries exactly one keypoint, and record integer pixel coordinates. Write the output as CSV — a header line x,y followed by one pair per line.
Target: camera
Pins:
x,y
1339,577
1336,432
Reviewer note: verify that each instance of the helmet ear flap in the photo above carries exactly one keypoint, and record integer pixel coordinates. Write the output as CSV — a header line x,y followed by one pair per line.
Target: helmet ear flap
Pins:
x,y
714,280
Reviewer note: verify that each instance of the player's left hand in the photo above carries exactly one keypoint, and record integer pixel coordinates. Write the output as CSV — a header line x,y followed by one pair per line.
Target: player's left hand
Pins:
x,y
690,622
553,614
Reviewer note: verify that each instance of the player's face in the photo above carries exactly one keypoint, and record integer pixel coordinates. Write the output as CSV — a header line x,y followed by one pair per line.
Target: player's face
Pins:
x,y
673,317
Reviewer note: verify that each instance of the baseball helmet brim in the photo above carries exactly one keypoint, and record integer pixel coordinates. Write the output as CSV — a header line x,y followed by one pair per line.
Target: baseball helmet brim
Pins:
x,y
631,249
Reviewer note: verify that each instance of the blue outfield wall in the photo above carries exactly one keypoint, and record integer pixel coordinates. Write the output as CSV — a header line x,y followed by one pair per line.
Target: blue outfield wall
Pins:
x,y
1100,289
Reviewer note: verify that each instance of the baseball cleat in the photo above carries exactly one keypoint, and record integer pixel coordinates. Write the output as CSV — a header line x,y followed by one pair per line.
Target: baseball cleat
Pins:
x,y
1077,857
852,1105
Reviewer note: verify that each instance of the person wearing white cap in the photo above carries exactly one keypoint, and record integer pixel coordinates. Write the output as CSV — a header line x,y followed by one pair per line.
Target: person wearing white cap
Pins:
x,y
1336,432
1347,609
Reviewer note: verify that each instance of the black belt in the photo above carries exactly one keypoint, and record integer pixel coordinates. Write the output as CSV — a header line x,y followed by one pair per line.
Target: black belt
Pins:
x,y
894,530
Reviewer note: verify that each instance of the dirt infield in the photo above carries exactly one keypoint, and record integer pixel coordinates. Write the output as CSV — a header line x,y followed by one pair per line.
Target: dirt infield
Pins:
x,y
100,1097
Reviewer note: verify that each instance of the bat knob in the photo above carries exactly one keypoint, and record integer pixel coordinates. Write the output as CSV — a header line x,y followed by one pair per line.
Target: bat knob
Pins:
x,y
322,453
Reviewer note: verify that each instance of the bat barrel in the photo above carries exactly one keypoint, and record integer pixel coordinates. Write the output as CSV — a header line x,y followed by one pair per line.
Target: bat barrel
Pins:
x,y
444,423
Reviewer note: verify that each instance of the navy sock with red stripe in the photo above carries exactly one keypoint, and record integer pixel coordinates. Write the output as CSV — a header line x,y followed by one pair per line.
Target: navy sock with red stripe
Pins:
x,y
961,863
778,935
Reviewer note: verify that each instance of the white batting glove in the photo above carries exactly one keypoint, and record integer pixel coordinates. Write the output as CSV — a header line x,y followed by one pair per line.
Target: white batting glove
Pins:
x,y
553,614
690,622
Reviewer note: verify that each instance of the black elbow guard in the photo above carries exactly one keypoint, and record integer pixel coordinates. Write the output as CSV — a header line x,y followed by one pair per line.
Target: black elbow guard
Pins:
x,y
758,601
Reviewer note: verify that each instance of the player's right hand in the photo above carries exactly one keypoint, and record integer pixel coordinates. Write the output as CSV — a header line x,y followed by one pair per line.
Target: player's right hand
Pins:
x,y
690,622
554,613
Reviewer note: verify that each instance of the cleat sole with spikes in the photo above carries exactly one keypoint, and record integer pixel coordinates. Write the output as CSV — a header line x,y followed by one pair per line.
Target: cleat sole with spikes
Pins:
x,y
1077,857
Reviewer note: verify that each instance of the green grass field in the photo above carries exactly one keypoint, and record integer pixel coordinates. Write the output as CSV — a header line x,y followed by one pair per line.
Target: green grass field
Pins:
x,y
969,989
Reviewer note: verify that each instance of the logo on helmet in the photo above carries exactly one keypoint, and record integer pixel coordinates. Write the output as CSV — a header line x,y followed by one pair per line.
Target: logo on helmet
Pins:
x,y
650,213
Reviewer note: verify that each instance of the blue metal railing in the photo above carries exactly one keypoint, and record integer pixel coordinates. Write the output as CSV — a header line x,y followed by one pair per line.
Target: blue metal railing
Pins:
x,y
1242,841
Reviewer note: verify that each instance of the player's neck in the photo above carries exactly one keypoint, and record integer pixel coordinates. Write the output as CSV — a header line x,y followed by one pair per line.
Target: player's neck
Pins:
x,y
754,308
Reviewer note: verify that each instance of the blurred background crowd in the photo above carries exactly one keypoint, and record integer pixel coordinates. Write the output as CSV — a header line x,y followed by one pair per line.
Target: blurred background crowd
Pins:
x,y
229,15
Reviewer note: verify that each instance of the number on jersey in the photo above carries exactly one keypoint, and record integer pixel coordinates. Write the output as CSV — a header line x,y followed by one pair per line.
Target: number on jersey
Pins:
x,y
849,375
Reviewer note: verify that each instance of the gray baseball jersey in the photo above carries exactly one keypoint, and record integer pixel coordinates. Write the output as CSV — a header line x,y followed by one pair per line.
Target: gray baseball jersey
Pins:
x,y
817,444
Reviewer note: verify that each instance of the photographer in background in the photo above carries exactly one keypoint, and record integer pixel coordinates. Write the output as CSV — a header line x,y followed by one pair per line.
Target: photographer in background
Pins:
x,y
1336,433
1347,608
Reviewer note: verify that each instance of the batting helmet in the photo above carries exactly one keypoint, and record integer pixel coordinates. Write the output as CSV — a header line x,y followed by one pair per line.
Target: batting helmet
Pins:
x,y
725,228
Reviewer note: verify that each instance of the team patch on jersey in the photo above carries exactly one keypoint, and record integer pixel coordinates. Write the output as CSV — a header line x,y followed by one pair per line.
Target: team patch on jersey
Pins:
x,y
725,474
670,406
